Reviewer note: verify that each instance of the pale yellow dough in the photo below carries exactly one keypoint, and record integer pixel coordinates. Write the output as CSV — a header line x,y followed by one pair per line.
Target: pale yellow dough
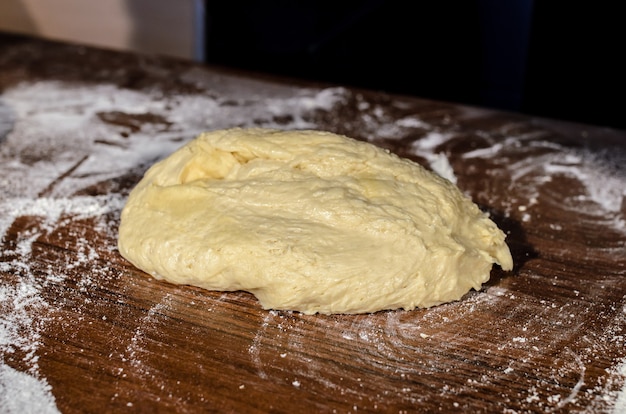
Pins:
x,y
308,221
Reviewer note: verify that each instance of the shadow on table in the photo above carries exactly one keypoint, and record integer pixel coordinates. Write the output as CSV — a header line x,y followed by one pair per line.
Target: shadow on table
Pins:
x,y
521,250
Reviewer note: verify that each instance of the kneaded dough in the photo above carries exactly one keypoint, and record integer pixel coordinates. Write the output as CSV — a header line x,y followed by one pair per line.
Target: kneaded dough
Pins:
x,y
308,221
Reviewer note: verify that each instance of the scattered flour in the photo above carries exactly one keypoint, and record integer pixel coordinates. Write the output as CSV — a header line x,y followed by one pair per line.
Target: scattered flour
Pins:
x,y
601,176
620,403
21,393
84,138
84,135
24,312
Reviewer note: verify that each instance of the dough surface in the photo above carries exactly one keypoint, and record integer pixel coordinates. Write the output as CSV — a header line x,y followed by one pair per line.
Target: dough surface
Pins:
x,y
308,221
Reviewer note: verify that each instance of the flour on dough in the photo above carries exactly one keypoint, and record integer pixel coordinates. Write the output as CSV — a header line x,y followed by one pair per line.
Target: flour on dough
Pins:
x,y
308,221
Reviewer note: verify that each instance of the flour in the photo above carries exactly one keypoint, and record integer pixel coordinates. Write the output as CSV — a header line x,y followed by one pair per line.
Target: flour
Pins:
x,y
24,310
440,164
427,144
80,143
60,143
600,175
620,403
22,393
20,336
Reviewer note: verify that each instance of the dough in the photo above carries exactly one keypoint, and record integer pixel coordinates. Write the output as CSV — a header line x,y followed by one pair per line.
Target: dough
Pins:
x,y
308,221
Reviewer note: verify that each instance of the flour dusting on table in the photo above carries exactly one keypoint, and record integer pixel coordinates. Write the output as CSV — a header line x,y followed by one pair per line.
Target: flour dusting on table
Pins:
x,y
68,151
58,140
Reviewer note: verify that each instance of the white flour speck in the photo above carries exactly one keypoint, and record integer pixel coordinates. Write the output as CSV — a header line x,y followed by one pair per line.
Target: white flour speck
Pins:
x,y
441,165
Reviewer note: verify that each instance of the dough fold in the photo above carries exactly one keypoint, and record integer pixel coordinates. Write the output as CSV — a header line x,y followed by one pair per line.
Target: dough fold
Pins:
x,y
308,221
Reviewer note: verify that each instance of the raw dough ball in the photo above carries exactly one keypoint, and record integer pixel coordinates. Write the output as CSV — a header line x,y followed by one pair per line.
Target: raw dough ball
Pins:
x,y
308,221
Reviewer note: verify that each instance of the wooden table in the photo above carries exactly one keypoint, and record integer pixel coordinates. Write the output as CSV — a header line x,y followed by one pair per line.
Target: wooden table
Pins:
x,y
83,331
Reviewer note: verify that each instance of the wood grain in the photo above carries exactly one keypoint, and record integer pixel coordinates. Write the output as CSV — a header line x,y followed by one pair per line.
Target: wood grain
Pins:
x,y
547,337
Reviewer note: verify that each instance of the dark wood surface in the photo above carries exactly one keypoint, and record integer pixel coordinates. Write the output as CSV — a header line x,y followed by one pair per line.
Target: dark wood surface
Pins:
x,y
79,126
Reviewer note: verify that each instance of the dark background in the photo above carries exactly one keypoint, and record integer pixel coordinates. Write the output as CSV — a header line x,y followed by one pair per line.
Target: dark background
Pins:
x,y
558,59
